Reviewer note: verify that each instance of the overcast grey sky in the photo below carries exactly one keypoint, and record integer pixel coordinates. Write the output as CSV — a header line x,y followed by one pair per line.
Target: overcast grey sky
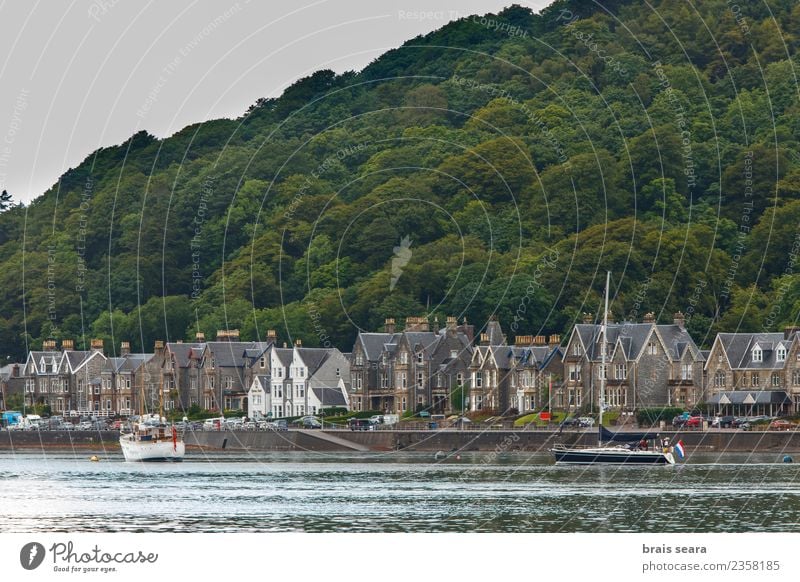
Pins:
x,y
84,74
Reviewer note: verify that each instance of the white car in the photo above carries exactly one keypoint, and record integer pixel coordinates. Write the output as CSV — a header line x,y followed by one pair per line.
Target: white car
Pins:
x,y
586,422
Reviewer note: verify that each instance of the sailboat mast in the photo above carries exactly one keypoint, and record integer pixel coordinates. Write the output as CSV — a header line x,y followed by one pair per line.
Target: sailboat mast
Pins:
x,y
603,370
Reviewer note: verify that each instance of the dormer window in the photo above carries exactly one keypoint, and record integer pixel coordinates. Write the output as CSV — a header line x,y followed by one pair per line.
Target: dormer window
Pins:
x,y
419,357
758,355
781,354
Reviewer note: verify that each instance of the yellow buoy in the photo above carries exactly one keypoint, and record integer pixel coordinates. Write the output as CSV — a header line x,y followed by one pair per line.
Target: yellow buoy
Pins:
x,y
94,458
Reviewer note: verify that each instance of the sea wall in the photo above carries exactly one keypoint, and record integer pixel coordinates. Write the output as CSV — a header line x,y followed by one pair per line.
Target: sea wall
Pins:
x,y
390,440
494,440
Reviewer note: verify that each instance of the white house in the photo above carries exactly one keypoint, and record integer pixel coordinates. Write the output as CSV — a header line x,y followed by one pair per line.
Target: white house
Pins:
x,y
259,398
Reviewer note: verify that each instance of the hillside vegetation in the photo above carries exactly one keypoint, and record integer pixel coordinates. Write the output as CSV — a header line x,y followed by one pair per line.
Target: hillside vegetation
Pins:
x,y
521,155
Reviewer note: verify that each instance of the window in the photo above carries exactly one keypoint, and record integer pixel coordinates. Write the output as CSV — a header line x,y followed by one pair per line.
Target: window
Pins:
x,y
479,402
719,357
574,373
263,362
719,380
404,357
478,380
754,380
796,378
384,381
652,349
577,349
97,389
359,359
403,405
758,355
453,354
419,357
686,371
359,382
338,373
301,391
621,371
602,371
228,382
419,380
403,380
459,378
108,404
781,354
776,379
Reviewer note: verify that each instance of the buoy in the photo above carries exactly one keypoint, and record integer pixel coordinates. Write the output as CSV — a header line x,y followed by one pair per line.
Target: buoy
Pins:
x,y
94,458
788,459
458,457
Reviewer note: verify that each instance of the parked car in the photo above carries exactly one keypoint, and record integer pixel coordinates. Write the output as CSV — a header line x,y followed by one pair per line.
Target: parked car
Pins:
x,y
361,424
311,422
278,425
782,425
569,421
85,425
678,421
694,422
585,422
376,418
722,421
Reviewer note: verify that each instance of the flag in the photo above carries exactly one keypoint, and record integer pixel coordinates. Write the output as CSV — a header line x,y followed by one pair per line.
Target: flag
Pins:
x,y
681,452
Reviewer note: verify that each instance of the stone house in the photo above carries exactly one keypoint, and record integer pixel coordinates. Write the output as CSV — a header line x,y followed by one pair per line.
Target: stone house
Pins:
x,y
754,373
647,364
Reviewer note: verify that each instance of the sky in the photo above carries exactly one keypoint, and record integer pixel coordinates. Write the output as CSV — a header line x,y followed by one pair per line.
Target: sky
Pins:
x,y
85,74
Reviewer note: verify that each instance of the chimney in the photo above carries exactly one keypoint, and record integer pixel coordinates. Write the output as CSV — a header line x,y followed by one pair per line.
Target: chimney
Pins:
x,y
416,324
67,345
523,340
680,320
228,335
49,345
588,317
15,371
298,343
611,316
789,331
97,345
158,347
554,340
484,339
539,340
200,337
649,317
272,336
284,344
389,325
435,324
125,349
467,330
180,341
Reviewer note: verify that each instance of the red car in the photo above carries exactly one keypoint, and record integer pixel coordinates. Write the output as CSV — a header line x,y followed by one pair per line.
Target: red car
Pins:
x,y
694,422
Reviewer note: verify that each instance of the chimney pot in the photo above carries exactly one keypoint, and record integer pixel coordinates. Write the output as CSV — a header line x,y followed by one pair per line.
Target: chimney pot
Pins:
x,y
159,345
484,339
389,325
679,319
97,345
67,345
125,348
200,337
555,340
649,317
588,317
523,340
298,342
49,345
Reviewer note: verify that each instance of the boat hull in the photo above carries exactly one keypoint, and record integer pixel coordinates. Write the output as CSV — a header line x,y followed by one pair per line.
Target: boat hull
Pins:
x,y
152,450
611,456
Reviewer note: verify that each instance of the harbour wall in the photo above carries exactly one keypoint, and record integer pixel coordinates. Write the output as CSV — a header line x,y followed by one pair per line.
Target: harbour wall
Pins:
x,y
723,441
493,440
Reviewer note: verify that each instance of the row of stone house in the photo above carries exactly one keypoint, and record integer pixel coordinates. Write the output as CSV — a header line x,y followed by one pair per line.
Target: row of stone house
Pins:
x,y
425,367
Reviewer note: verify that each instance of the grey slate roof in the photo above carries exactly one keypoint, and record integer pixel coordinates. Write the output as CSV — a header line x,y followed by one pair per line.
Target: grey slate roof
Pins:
x,y
183,352
265,383
633,336
746,397
373,343
739,349
284,355
313,358
330,396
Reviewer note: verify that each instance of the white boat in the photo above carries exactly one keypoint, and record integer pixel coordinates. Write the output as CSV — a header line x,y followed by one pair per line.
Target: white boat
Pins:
x,y
151,440
612,454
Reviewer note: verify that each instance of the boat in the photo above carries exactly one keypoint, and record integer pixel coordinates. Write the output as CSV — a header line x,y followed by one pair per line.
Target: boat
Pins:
x,y
637,452
150,438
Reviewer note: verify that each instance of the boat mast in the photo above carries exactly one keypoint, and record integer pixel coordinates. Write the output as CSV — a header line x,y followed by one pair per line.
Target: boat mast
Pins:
x,y
603,371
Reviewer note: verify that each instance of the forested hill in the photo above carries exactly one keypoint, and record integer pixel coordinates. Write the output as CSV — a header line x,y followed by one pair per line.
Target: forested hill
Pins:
x,y
498,165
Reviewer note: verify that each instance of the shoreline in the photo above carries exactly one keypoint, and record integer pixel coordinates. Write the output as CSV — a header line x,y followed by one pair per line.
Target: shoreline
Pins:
x,y
493,441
